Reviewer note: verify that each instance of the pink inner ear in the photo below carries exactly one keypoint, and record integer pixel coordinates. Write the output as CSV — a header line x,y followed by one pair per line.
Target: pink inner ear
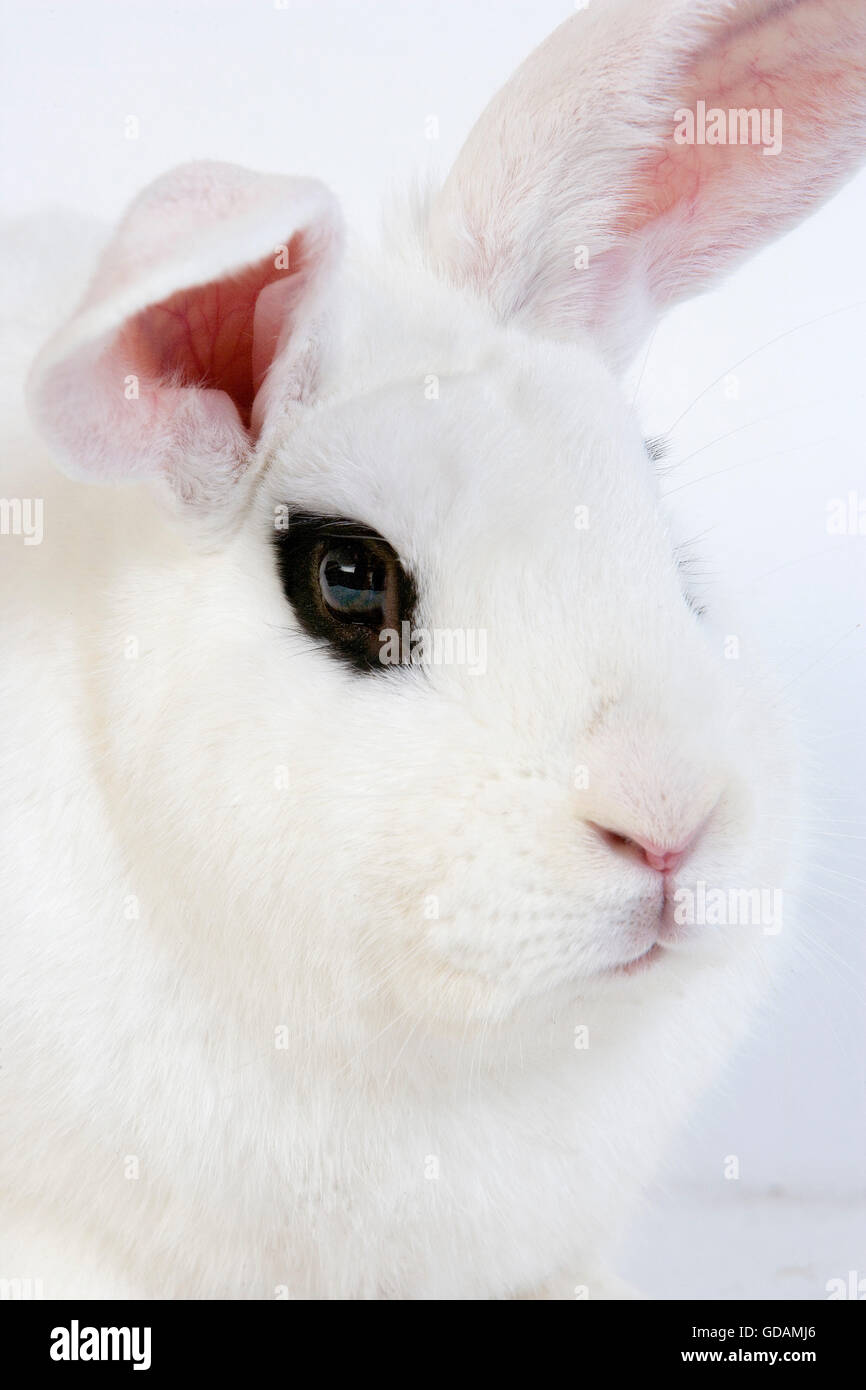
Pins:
x,y
221,336
787,62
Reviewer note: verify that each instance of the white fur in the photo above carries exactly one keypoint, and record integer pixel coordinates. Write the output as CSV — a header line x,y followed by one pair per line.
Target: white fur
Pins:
x,y
172,911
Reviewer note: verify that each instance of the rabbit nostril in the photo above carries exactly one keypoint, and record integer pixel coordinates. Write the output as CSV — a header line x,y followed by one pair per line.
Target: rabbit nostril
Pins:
x,y
617,842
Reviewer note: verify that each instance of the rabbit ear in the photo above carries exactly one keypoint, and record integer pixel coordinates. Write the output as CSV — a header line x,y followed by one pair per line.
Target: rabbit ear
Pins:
x,y
643,149
197,320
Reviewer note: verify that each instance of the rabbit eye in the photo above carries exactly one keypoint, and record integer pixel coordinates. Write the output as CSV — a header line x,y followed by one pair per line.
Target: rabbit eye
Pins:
x,y
345,583
354,583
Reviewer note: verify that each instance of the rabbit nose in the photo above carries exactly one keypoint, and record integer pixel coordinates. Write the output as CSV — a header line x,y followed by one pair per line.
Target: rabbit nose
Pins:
x,y
665,858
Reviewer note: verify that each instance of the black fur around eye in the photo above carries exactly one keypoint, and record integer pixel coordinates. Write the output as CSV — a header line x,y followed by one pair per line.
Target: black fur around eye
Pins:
x,y
345,584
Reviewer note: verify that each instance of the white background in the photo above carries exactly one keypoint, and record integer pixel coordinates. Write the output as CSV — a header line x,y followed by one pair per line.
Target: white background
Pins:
x,y
343,91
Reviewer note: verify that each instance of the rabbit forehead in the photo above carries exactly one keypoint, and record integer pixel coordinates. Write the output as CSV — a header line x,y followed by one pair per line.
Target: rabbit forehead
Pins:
x,y
526,436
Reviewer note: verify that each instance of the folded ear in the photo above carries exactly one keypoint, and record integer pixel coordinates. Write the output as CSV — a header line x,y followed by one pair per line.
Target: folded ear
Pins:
x,y
643,149
198,320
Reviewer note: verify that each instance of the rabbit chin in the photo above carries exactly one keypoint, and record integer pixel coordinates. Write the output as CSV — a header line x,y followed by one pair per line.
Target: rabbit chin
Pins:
x,y
471,975
533,956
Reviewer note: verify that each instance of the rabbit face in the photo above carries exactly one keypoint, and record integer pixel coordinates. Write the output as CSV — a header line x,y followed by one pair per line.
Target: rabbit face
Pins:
x,y
463,835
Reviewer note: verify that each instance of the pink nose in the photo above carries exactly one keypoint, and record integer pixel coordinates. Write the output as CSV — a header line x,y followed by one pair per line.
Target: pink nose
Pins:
x,y
663,858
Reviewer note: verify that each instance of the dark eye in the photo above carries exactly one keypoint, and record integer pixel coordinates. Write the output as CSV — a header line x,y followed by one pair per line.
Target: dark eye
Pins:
x,y
345,583
354,582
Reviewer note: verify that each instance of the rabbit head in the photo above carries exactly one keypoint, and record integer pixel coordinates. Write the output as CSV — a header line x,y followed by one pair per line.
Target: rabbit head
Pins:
x,y
421,709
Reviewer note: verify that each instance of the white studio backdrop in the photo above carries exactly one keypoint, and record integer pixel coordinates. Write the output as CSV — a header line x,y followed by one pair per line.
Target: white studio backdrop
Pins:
x,y
765,379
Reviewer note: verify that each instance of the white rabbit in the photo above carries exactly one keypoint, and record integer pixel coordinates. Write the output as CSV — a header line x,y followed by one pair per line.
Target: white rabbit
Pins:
x,y
328,977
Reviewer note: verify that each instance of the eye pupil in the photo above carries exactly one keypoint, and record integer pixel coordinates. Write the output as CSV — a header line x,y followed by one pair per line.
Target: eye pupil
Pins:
x,y
353,582
346,585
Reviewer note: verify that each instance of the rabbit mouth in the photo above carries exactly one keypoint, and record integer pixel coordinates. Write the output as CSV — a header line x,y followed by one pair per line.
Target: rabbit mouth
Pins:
x,y
641,962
